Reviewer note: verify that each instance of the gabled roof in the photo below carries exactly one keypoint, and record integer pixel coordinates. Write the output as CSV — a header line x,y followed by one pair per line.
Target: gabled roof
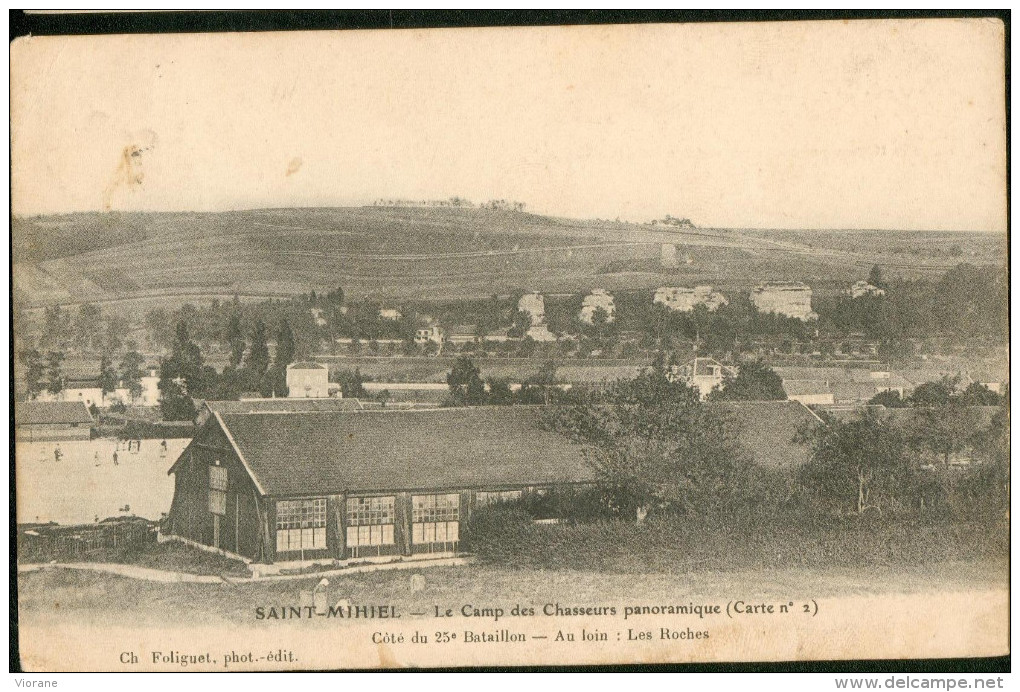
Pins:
x,y
306,365
291,454
331,453
50,412
285,405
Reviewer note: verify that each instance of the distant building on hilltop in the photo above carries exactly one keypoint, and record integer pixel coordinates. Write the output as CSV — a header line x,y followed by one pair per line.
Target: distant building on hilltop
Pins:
x,y
599,298
307,380
790,298
390,314
682,299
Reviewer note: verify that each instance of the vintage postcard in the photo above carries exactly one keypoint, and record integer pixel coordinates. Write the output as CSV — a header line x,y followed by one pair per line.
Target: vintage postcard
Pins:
x,y
535,346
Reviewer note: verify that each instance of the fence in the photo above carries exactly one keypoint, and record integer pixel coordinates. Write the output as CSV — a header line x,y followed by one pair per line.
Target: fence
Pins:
x,y
43,543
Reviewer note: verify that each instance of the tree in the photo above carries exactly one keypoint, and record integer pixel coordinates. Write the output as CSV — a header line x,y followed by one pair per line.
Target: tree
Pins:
x,y
235,340
181,377
499,392
54,377
351,383
858,465
890,398
465,382
545,378
131,373
35,372
284,356
107,375
257,362
875,277
654,447
977,394
174,402
521,325
755,381
942,431
939,393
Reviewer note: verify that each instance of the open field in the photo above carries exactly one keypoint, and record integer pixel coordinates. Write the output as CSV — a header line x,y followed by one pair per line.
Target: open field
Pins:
x,y
143,260
85,485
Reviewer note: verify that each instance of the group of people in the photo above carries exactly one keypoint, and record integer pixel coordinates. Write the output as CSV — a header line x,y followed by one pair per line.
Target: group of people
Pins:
x,y
133,446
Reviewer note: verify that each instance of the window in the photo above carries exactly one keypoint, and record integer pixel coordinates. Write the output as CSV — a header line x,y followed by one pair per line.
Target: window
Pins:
x,y
370,521
484,498
300,525
218,489
435,518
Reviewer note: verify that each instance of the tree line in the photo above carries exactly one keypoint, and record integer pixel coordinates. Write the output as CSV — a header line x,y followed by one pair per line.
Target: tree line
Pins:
x,y
657,449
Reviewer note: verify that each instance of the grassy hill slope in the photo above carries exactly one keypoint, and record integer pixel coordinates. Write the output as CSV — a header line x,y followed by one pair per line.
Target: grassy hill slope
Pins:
x,y
398,253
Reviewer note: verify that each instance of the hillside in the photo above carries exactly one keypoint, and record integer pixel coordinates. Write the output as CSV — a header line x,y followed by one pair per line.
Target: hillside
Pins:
x,y
141,259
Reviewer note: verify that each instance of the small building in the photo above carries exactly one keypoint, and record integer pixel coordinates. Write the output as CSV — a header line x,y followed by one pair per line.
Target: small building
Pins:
x,y
307,380
433,334
319,317
390,314
461,334
534,305
862,289
598,299
281,487
809,392
682,299
37,421
149,395
790,298
703,374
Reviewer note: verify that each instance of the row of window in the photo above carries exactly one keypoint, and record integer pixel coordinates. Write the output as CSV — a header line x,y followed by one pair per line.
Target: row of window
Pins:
x,y
301,524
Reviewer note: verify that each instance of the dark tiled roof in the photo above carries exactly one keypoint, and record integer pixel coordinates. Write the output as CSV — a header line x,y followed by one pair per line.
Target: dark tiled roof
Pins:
x,y
802,387
765,429
285,405
327,453
50,412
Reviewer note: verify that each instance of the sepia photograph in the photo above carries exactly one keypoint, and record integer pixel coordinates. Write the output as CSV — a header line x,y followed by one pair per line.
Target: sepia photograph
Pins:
x,y
510,346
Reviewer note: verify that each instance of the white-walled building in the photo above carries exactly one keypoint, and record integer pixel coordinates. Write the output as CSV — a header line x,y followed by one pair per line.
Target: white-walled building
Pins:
x,y
599,298
307,380
390,314
533,304
790,298
703,374
433,333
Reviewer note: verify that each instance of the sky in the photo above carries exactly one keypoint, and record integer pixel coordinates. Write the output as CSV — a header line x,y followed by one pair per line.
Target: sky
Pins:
x,y
844,124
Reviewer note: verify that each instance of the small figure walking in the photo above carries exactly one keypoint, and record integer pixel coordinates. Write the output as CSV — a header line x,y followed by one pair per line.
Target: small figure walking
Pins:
x,y
96,458
162,451
115,459
57,453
